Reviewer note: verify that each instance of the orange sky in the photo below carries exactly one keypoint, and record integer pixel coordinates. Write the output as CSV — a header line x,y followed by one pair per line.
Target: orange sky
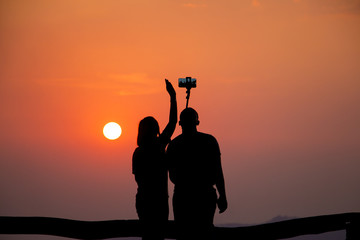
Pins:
x,y
278,86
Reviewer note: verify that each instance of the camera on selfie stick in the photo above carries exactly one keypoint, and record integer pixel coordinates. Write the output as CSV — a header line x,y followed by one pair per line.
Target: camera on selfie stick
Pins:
x,y
187,83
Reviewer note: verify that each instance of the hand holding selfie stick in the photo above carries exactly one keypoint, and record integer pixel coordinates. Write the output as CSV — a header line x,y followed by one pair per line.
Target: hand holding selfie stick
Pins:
x,y
187,83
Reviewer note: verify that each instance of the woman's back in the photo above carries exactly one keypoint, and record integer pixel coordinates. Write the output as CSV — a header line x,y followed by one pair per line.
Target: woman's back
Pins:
x,y
150,170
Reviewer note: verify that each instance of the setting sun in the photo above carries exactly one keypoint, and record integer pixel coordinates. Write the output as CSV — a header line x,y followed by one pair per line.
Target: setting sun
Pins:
x,y
112,130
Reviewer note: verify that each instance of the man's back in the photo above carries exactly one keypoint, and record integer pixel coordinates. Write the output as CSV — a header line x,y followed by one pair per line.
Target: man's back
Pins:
x,y
193,160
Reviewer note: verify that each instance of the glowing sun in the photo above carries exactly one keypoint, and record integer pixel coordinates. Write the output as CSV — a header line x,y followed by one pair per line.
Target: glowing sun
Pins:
x,y
112,130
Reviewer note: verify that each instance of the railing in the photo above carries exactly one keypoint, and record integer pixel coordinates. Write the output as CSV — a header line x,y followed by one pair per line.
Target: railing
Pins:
x,y
131,228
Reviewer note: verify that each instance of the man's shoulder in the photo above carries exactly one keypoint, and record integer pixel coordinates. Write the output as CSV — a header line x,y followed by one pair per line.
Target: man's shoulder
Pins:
x,y
207,136
210,142
199,136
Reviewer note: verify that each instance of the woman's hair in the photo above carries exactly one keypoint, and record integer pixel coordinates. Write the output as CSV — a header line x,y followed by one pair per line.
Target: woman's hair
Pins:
x,y
148,131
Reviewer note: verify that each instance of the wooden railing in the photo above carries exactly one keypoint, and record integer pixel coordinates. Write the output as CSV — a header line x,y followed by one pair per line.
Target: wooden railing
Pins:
x,y
131,228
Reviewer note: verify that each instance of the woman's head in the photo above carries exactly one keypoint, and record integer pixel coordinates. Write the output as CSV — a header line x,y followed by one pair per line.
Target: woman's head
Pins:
x,y
148,131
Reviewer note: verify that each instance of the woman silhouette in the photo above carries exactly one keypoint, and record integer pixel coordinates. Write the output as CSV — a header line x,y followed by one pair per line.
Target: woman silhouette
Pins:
x,y
150,171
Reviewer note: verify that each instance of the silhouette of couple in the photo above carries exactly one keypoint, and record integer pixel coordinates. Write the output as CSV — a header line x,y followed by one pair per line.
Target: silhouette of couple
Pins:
x,y
194,165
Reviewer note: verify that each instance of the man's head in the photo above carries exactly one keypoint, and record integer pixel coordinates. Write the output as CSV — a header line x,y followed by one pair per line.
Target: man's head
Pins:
x,y
189,119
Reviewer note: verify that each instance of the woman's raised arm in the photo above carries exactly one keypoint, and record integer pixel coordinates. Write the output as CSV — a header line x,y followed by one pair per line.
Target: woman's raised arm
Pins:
x,y
170,127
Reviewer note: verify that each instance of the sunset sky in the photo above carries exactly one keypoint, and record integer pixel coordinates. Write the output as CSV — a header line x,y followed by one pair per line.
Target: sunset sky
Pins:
x,y
278,86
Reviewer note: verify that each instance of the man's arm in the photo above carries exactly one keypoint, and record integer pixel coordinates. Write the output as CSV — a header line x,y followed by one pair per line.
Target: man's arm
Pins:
x,y
220,185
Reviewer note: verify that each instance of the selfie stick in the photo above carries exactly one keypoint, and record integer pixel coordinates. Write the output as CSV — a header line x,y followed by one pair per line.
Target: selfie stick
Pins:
x,y
187,96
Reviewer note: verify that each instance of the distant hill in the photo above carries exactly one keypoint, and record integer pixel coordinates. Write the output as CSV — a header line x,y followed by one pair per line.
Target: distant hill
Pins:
x,y
336,235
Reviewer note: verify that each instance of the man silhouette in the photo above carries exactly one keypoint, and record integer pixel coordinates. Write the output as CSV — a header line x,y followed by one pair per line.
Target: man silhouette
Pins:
x,y
195,168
